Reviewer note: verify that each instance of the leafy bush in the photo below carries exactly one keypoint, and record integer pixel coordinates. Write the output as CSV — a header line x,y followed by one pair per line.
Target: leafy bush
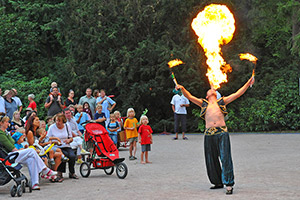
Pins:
x,y
39,87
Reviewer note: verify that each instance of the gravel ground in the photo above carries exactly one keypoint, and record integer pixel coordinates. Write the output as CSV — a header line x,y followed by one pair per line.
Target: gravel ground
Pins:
x,y
267,167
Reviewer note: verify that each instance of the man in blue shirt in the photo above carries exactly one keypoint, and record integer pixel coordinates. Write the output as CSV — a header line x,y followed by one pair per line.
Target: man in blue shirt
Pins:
x,y
107,104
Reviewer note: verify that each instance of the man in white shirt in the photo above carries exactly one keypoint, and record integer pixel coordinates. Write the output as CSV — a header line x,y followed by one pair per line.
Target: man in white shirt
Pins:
x,y
76,134
2,103
17,99
179,103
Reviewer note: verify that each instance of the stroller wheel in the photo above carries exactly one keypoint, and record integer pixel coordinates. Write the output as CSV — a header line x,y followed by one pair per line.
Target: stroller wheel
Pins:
x,y
23,186
19,190
13,190
121,170
29,185
109,171
85,169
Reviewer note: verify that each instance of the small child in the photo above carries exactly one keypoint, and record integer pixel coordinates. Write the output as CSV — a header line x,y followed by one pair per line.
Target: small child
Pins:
x,y
72,109
42,124
145,138
49,121
53,85
24,143
112,128
86,108
80,118
100,116
46,141
119,119
19,139
130,125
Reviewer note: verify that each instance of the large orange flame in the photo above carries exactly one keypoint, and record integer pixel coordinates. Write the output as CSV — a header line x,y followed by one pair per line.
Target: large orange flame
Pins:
x,y
214,27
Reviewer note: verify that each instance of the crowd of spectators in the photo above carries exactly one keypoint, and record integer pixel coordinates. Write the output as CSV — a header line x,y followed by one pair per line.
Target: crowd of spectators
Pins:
x,y
62,131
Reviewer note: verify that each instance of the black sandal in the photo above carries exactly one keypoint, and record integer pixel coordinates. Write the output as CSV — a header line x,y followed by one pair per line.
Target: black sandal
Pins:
x,y
229,191
57,180
74,176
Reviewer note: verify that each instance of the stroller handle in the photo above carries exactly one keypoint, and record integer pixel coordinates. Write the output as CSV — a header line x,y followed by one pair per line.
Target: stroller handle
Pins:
x,y
11,156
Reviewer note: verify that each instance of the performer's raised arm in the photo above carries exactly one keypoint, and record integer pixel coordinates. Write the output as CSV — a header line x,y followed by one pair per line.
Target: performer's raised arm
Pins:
x,y
190,97
240,92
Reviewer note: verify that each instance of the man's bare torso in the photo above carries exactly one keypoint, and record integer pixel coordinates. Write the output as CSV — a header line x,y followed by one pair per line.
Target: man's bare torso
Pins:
x,y
214,116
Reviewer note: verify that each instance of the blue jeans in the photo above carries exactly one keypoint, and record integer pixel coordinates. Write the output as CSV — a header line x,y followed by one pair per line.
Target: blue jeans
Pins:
x,y
114,138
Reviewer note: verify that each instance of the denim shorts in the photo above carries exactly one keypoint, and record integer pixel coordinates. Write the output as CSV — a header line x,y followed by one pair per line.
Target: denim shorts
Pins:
x,y
146,147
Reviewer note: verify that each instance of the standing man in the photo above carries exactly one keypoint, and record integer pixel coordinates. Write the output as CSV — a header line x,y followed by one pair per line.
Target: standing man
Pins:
x,y
179,104
54,103
90,99
2,103
17,99
216,139
107,104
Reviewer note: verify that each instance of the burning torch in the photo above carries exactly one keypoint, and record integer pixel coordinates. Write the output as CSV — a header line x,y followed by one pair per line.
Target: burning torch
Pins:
x,y
172,64
251,58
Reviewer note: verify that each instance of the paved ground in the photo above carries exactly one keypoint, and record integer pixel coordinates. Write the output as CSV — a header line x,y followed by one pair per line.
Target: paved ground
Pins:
x,y
267,166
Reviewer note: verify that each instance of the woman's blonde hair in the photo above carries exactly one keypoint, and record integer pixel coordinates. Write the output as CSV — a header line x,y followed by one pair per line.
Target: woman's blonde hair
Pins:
x,y
13,118
4,118
130,110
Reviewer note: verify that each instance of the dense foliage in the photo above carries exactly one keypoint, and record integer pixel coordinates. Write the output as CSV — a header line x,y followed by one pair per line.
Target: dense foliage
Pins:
x,y
124,46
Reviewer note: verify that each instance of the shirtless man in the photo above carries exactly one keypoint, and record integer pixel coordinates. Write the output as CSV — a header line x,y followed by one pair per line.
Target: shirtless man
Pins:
x,y
216,139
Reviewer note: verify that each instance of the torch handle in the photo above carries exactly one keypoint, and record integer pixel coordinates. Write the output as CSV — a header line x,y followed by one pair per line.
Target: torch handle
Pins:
x,y
253,74
174,79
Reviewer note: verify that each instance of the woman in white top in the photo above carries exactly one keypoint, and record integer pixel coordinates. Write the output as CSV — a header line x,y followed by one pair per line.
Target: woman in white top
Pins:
x,y
63,131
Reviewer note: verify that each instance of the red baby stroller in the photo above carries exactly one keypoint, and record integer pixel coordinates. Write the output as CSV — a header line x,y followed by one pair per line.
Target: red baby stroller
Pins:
x,y
105,150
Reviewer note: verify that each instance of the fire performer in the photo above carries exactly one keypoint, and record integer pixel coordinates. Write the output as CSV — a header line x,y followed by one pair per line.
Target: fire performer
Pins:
x,y
216,139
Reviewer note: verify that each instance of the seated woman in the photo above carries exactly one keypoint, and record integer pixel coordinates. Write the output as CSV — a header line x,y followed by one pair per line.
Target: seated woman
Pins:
x,y
16,122
31,113
27,157
62,131
32,136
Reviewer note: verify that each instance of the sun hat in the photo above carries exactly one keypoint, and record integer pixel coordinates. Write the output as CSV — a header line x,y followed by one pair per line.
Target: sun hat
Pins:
x,y
16,136
6,93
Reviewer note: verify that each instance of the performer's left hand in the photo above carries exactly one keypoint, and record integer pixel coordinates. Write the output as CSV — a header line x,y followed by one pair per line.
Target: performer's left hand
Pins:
x,y
252,80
